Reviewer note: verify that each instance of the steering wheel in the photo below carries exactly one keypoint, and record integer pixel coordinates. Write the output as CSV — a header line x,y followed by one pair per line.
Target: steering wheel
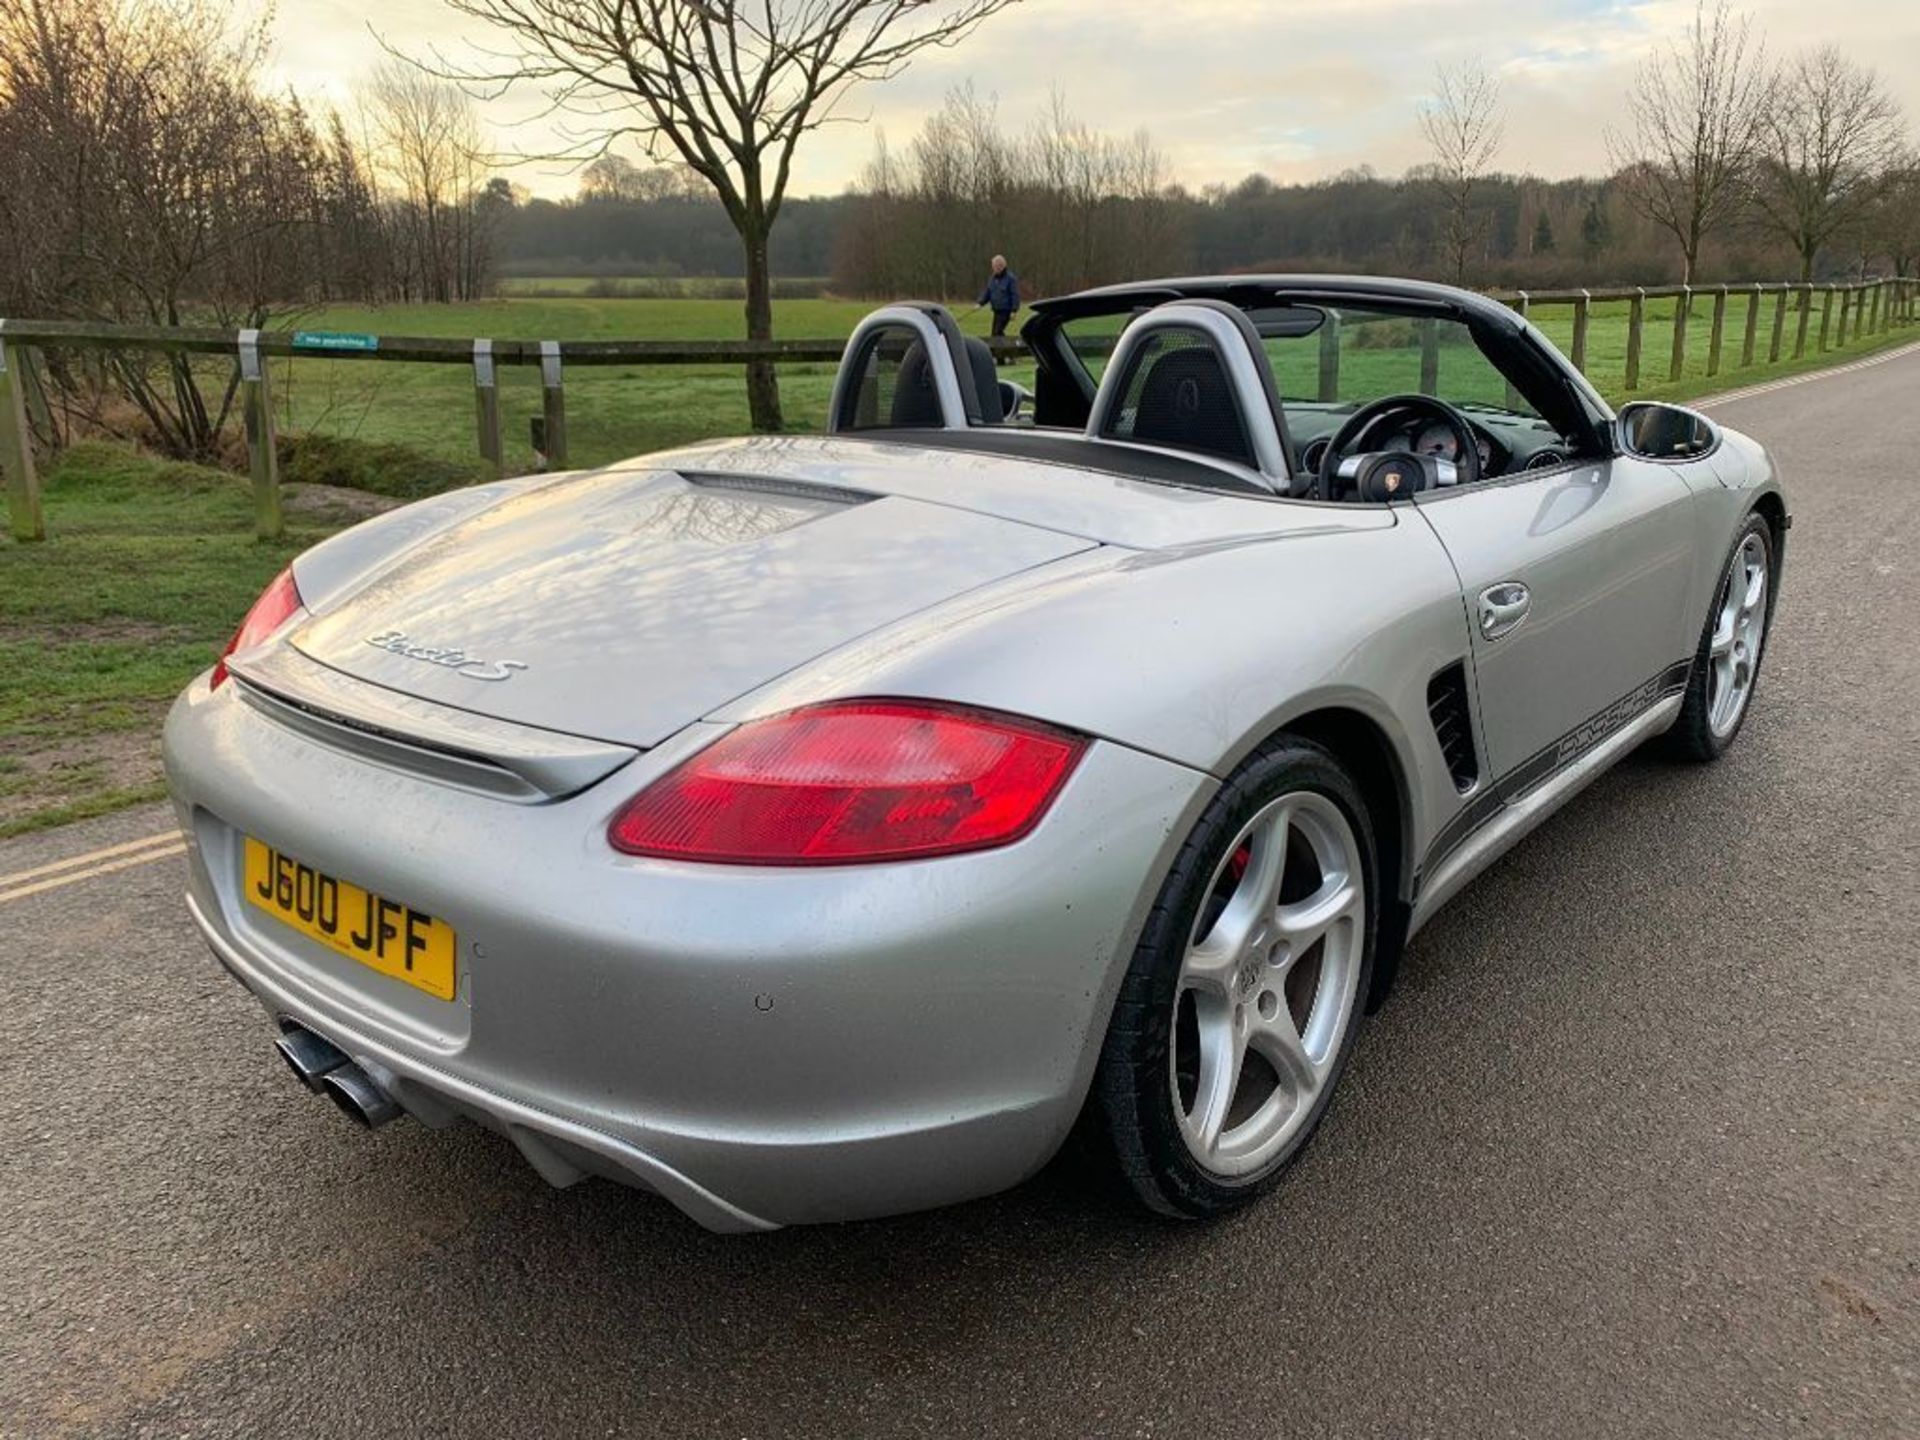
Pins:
x,y
1371,414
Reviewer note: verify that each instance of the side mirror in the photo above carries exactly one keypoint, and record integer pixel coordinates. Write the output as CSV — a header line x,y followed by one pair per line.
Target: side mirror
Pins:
x,y
1666,432
1013,401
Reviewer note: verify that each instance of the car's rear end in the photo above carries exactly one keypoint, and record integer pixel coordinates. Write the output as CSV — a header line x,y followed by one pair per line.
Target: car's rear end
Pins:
x,y
430,829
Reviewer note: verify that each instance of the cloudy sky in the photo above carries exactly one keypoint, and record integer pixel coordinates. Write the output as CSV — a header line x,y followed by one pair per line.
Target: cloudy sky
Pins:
x,y
1294,88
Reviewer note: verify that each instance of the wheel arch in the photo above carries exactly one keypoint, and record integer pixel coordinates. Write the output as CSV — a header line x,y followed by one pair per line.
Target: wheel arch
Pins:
x,y
1367,751
1772,506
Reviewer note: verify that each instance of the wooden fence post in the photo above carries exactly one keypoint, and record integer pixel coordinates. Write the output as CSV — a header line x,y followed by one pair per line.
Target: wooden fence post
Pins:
x,y
1873,323
1636,313
263,458
1682,303
25,516
553,405
1800,329
1581,309
1330,357
486,404
1717,334
1846,304
1753,327
1779,326
1826,316
1429,357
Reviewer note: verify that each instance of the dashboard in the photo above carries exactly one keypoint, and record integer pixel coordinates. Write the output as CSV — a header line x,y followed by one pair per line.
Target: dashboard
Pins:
x,y
1438,440
1507,442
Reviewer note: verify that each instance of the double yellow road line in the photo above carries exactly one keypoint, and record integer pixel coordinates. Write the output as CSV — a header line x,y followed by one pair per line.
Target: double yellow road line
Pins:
x,y
75,868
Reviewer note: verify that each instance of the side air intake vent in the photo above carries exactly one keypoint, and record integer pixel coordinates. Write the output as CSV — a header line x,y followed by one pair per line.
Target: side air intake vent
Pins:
x,y
1453,724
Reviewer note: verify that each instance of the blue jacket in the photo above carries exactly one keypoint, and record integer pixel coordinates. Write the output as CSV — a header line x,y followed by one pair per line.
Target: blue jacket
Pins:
x,y
1002,292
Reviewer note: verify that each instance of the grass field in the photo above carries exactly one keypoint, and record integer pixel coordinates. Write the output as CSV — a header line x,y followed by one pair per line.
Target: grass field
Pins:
x,y
611,412
652,287
150,565
148,571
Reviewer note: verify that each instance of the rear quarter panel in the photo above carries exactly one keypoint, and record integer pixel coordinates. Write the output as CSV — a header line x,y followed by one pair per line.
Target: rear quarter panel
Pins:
x,y
1195,654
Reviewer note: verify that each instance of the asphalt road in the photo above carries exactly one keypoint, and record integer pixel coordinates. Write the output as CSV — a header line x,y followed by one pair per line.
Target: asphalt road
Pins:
x,y
1634,1150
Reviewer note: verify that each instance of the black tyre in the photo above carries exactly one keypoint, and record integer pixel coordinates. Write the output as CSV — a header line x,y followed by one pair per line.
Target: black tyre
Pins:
x,y
1726,666
1243,997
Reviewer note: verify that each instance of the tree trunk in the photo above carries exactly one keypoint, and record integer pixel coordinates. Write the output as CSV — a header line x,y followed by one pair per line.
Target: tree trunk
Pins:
x,y
763,385
1807,252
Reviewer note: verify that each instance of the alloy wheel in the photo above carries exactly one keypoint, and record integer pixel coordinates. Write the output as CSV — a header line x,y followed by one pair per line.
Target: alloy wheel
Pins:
x,y
1269,985
1739,630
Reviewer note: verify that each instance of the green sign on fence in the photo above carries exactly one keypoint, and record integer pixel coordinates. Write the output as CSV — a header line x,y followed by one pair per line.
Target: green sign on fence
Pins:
x,y
333,340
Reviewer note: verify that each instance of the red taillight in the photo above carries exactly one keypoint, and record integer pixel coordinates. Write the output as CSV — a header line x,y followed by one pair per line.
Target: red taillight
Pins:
x,y
852,781
277,604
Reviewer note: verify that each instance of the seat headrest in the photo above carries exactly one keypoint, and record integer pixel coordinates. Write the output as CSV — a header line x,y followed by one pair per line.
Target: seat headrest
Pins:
x,y
916,404
1194,375
986,380
1184,399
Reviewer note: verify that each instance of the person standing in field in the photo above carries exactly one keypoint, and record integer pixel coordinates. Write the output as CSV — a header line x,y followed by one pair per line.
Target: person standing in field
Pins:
x,y
1002,295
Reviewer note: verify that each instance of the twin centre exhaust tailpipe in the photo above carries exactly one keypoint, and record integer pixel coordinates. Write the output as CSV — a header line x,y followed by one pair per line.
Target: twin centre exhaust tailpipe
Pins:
x,y
324,1068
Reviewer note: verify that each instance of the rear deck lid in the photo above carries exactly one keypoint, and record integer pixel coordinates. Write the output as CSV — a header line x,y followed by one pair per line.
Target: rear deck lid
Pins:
x,y
623,606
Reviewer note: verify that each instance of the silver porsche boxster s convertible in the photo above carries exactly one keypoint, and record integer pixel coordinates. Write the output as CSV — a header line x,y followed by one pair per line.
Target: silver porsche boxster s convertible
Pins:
x,y
814,827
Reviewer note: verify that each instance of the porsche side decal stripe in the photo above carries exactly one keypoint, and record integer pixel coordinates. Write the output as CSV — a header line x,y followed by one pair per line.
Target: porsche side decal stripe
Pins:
x,y
1471,816
1552,758
1541,766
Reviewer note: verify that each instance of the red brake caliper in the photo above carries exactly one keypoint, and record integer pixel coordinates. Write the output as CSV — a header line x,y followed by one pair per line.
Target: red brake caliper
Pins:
x,y
1242,858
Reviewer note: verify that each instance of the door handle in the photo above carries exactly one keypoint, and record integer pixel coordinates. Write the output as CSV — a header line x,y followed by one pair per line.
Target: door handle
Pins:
x,y
1502,608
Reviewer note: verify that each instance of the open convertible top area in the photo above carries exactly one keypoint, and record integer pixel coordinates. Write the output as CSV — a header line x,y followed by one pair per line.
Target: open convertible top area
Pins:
x,y
1347,389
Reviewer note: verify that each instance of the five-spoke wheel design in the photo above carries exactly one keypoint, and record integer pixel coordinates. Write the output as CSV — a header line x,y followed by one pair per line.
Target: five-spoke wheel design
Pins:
x,y
1269,984
1739,629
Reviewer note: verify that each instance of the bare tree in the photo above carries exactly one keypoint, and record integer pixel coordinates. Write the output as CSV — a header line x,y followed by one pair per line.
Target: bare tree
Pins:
x,y
614,179
143,177
1069,205
1891,228
1697,108
1831,135
730,88
425,142
1464,127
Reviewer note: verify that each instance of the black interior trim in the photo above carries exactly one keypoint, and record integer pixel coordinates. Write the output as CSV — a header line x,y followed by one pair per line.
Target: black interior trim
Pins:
x,y
1072,448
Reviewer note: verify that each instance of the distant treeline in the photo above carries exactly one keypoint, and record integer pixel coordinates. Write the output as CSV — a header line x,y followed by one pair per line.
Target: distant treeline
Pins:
x,y
670,236
898,242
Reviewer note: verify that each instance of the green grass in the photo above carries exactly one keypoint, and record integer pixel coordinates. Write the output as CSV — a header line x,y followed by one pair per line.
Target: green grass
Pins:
x,y
655,287
611,412
88,805
145,572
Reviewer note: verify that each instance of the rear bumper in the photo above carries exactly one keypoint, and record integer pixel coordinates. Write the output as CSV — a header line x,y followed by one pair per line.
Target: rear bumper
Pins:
x,y
759,1047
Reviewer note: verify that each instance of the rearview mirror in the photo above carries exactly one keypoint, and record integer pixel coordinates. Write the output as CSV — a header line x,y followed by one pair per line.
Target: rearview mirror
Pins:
x,y
1286,322
1665,432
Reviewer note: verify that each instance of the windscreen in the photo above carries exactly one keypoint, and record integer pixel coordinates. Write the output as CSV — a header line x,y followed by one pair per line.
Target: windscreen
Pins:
x,y
1351,356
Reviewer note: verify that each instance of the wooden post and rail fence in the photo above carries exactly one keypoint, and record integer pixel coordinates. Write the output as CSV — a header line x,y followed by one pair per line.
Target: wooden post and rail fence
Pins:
x,y
1846,310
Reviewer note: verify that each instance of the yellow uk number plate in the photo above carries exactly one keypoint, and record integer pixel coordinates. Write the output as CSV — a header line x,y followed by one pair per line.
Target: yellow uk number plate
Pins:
x,y
381,934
